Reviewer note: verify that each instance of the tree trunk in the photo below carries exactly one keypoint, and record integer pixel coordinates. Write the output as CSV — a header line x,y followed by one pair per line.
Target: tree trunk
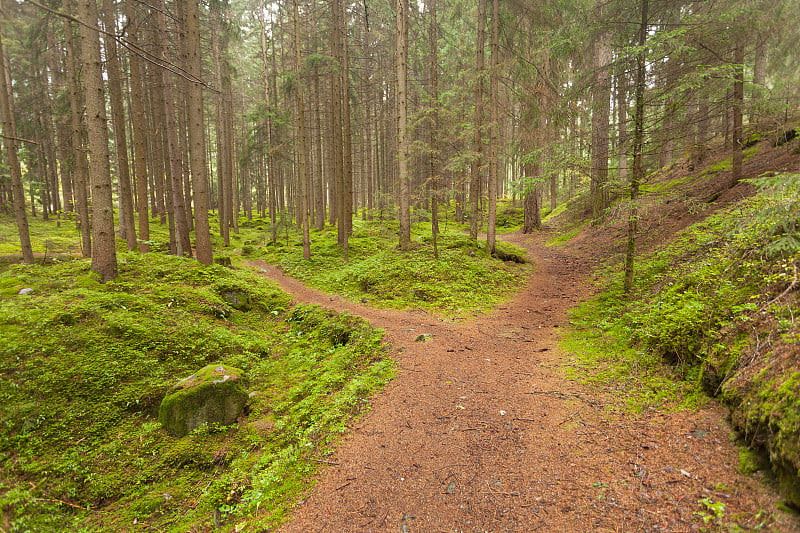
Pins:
x,y
738,108
347,139
184,244
118,122
600,112
494,89
302,156
622,121
80,172
104,255
197,141
638,150
433,131
138,130
9,140
477,143
532,203
401,52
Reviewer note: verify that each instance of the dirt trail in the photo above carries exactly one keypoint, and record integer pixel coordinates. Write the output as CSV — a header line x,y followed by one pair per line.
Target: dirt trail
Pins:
x,y
481,431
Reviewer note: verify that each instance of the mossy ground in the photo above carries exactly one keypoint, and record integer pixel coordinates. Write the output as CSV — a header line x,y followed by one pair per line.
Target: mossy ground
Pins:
x,y
84,366
464,277
709,314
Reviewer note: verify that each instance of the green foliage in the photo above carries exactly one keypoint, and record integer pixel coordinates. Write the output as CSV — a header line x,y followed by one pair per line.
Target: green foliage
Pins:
x,y
780,217
695,306
83,369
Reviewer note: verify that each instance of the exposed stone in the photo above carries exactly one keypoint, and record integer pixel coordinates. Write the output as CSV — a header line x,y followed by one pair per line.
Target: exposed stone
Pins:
x,y
214,395
237,299
26,290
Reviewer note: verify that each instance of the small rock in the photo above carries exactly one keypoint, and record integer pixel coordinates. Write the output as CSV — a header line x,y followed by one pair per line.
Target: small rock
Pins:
x,y
699,433
685,473
451,487
26,290
423,337
364,300
502,413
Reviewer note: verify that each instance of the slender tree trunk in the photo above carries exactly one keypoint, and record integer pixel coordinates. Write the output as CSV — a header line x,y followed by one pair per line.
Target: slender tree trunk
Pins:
x,y
104,255
477,143
223,198
347,138
79,155
319,179
184,244
401,52
638,150
9,140
138,130
600,125
738,108
302,156
197,140
532,203
118,122
433,132
622,121
494,89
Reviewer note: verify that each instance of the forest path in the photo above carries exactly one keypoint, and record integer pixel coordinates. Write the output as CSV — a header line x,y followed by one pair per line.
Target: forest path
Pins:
x,y
482,431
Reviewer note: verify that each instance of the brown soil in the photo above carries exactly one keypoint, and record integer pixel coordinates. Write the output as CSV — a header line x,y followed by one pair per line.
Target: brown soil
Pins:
x,y
482,431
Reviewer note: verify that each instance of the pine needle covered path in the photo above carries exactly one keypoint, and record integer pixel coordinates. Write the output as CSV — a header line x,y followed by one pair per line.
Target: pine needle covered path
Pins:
x,y
482,431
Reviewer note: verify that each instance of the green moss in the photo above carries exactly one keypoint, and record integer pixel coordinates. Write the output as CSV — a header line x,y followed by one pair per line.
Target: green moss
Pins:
x,y
215,394
751,461
84,367
464,276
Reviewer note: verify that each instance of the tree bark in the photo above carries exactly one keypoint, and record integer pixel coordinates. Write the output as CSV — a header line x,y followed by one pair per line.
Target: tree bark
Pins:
x,y
494,89
184,244
197,141
738,108
104,255
301,144
118,122
138,130
9,140
80,165
433,130
401,52
638,150
477,143
601,91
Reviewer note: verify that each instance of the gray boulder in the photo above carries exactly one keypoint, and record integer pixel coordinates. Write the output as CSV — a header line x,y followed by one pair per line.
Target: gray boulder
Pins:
x,y
214,395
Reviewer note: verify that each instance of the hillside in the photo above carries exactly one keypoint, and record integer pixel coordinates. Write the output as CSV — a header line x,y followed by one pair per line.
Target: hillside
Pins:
x,y
715,296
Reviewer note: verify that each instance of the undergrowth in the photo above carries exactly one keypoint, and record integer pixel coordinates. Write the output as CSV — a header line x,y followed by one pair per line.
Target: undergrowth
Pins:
x,y
84,366
715,310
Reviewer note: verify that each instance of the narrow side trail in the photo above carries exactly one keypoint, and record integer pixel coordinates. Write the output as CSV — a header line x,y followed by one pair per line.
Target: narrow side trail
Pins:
x,y
481,431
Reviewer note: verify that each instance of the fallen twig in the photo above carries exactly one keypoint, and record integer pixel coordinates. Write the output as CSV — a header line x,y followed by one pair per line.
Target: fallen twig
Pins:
x,y
53,500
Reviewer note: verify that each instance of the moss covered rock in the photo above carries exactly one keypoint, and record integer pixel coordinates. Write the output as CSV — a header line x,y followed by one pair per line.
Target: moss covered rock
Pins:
x,y
214,395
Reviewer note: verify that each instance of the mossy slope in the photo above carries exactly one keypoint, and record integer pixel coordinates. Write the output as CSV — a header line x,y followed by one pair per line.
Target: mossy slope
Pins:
x,y
84,367
718,304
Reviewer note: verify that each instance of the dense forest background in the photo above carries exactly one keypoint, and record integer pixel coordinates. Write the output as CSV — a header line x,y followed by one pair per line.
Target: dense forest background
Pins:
x,y
312,113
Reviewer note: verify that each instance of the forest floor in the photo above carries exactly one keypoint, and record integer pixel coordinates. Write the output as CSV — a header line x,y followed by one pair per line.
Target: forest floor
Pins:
x,y
483,431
